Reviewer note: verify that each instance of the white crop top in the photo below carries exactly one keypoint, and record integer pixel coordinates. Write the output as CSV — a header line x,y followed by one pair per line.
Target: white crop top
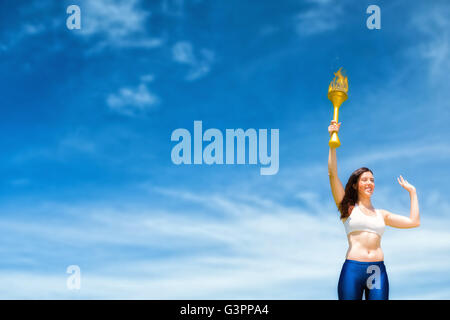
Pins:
x,y
358,221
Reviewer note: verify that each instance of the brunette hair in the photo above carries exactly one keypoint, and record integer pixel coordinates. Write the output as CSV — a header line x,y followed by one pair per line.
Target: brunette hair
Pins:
x,y
351,194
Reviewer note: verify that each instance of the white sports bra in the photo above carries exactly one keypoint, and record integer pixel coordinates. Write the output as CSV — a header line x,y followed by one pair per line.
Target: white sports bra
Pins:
x,y
358,221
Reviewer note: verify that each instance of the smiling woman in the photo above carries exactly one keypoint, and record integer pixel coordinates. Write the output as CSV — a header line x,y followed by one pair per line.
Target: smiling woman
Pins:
x,y
364,270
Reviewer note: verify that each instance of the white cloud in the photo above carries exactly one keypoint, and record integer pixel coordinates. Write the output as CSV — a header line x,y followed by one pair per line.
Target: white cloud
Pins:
x,y
120,24
418,151
31,29
434,45
115,19
255,250
323,16
230,246
183,53
132,101
173,7
147,78
20,182
108,23
77,142
92,144
26,31
200,65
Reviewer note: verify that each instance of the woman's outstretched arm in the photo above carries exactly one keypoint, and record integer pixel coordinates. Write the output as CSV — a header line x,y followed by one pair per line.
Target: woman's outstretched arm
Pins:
x,y
336,185
398,221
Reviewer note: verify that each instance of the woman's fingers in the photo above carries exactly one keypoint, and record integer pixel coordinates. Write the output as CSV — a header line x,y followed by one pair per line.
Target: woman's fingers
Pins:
x,y
333,126
405,184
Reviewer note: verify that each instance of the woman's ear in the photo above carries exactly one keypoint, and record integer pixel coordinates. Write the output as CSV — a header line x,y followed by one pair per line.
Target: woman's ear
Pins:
x,y
354,187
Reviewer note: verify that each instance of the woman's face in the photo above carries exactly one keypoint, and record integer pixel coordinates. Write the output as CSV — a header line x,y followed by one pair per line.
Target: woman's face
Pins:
x,y
366,184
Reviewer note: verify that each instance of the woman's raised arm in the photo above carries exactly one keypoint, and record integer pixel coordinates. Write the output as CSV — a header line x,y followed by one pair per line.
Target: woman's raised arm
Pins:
x,y
336,185
398,221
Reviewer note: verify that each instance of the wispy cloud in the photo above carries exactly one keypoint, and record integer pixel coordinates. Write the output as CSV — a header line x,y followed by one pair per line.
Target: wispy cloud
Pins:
x,y
20,182
256,248
183,53
133,101
147,78
30,29
27,31
433,25
118,24
232,257
80,142
73,143
200,64
323,16
114,19
417,151
172,7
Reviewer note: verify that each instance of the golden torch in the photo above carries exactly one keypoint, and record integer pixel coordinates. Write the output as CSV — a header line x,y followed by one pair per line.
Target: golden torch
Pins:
x,y
337,93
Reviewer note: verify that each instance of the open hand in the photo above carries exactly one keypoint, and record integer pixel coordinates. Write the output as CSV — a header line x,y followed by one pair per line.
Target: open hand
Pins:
x,y
405,184
333,127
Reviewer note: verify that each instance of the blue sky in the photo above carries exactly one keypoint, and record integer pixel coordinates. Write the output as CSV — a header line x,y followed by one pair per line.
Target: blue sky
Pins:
x,y
86,121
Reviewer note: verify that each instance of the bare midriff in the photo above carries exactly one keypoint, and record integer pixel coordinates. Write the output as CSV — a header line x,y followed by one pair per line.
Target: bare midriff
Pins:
x,y
364,246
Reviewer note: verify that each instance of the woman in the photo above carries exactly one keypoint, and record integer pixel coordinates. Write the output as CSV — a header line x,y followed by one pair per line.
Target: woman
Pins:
x,y
364,270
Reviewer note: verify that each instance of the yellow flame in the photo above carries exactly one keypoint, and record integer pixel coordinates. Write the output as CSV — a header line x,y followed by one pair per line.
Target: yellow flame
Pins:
x,y
339,83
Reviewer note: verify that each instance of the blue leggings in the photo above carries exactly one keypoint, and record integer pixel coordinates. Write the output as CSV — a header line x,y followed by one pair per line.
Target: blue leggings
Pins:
x,y
368,277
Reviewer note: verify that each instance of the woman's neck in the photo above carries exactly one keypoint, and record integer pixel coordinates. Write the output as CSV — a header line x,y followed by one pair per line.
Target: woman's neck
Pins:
x,y
365,202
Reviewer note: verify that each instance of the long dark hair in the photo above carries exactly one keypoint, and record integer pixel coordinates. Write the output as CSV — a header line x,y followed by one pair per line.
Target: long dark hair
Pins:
x,y
351,193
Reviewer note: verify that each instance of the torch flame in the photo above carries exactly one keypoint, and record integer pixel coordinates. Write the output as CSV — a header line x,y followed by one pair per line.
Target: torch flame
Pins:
x,y
339,83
